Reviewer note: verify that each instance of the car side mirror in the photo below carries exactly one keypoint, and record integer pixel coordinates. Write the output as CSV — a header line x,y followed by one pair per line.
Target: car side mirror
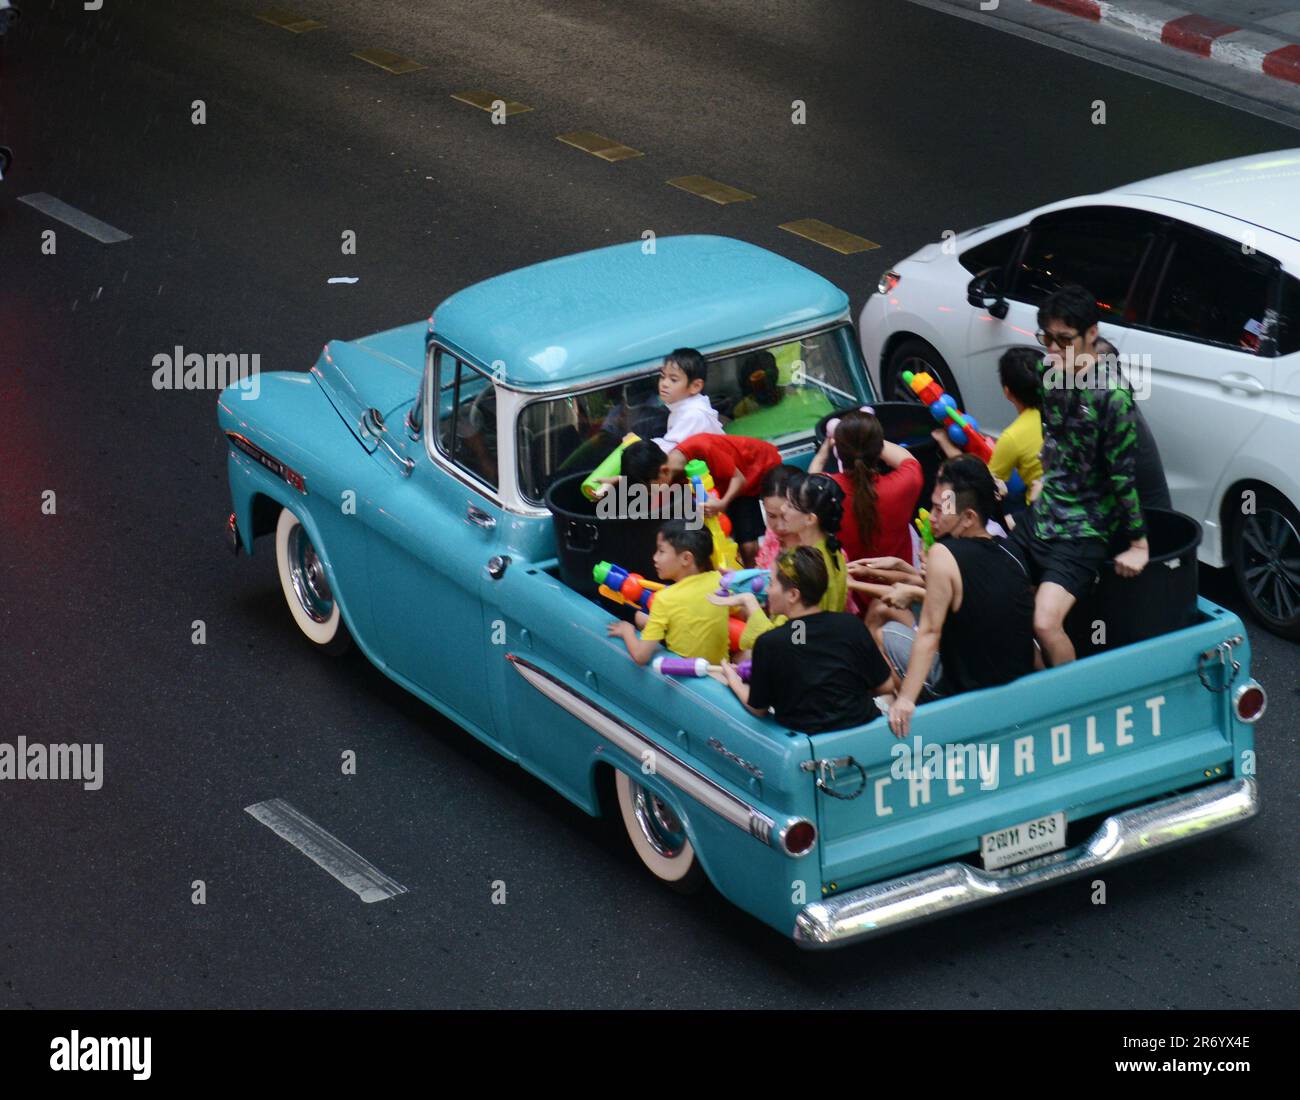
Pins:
x,y
983,293
415,417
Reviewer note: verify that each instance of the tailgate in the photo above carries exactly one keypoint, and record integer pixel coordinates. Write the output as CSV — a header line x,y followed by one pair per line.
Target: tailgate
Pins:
x,y
1099,734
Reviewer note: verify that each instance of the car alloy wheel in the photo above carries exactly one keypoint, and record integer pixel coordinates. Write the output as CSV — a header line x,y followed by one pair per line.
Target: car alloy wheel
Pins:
x,y
1266,560
916,355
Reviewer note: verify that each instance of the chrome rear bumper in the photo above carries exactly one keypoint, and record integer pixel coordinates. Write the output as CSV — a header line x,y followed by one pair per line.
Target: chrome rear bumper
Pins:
x,y
885,906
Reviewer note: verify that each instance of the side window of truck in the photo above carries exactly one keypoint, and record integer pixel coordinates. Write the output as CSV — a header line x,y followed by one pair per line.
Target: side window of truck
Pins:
x,y
466,430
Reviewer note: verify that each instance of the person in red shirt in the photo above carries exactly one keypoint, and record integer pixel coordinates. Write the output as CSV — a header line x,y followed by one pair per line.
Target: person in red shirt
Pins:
x,y
879,504
738,465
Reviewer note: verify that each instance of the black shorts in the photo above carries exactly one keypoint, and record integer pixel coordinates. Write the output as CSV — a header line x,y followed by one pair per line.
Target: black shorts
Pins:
x,y
1071,563
746,519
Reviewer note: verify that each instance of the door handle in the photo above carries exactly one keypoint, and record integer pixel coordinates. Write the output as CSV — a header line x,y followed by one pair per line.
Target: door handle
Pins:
x,y
480,518
1245,382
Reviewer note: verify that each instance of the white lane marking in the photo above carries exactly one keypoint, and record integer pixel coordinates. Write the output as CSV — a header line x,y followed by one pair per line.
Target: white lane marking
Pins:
x,y
342,279
70,215
326,850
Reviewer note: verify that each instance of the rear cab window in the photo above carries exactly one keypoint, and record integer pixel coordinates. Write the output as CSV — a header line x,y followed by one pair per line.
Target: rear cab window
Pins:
x,y
775,392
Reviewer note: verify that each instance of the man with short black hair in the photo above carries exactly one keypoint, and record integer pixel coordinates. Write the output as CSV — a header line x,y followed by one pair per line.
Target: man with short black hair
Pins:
x,y
976,626
1089,490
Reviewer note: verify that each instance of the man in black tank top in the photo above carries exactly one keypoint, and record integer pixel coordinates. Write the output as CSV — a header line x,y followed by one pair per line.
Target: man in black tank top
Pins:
x,y
977,620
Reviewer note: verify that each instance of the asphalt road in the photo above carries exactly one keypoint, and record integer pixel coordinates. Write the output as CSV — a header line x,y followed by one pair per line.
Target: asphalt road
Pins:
x,y
916,122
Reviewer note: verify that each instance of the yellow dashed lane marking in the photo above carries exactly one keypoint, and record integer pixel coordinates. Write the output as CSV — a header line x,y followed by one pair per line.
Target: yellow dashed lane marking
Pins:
x,y
290,22
484,101
841,241
712,190
598,145
388,61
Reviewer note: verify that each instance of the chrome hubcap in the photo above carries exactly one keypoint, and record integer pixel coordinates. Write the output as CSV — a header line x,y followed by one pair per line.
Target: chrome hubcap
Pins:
x,y
308,577
1271,563
659,825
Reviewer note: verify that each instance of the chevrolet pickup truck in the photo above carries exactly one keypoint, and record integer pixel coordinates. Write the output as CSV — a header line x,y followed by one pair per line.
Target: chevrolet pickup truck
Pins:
x,y
404,482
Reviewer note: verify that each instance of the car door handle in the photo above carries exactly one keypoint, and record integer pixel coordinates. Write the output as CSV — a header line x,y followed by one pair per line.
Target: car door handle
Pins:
x,y
1244,382
483,519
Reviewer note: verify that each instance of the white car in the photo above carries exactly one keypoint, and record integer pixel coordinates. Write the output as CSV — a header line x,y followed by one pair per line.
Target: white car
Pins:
x,y
1198,274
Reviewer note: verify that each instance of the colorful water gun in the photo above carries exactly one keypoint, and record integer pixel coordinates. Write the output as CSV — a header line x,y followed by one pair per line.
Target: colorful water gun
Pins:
x,y
612,466
734,582
962,429
923,528
617,584
724,549
695,666
735,628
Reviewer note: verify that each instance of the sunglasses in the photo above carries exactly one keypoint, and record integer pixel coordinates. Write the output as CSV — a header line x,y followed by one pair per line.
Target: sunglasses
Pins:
x,y
1060,340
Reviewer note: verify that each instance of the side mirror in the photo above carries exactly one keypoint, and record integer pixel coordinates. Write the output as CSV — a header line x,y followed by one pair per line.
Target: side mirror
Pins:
x,y
983,293
415,417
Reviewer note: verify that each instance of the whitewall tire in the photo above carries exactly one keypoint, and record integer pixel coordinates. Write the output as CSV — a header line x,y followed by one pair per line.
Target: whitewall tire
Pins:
x,y
658,837
306,587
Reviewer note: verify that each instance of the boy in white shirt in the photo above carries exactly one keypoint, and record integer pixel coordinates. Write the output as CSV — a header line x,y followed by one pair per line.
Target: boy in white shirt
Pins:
x,y
681,388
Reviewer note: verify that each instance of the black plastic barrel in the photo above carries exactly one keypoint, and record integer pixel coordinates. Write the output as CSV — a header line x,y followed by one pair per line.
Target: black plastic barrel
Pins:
x,y
582,538
1121,610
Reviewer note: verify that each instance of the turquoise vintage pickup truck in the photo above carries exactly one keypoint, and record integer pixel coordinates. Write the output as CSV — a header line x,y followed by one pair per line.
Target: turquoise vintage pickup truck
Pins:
x,y
418,485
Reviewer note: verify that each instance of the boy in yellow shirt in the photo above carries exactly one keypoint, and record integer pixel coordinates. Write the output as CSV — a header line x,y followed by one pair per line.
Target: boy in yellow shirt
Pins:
x,y
681,615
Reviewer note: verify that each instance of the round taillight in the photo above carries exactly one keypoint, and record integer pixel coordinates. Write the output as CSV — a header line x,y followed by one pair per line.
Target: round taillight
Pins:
x,y
1251,702
799,838
888,281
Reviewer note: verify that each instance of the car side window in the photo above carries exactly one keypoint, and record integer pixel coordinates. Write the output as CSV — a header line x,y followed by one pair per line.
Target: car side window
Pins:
x,y
1098,247
1213,292
995,254
1288,337
467,418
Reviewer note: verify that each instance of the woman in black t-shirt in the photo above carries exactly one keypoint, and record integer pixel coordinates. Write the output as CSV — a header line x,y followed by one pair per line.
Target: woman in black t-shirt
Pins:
x,y
819,670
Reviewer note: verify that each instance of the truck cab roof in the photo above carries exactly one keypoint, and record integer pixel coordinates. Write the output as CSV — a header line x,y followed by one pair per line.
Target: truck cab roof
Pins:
x,y
586,315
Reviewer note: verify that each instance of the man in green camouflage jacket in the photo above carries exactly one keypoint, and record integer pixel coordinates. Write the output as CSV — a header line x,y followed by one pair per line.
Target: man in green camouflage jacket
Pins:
x,y
1089,494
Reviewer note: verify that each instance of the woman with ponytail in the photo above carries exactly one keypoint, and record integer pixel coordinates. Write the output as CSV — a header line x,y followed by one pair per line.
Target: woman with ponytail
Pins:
x,y
879,504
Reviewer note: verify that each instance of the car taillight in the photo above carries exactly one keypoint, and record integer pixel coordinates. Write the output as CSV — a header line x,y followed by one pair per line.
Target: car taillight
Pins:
x,y
888,281
799,837
1250,701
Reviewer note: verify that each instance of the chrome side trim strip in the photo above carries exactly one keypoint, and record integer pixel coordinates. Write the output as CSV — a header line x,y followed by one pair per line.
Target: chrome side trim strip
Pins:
x,y
285,473
886,906
676,772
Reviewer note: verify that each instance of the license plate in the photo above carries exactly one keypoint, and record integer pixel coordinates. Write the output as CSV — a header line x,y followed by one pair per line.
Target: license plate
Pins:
x,y
1023,841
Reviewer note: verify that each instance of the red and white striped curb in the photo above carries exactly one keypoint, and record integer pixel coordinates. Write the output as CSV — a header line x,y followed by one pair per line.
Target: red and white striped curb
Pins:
x,y
1196,34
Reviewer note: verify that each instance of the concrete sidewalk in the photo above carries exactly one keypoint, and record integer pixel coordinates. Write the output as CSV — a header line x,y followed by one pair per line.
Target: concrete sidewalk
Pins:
x,y
1255,37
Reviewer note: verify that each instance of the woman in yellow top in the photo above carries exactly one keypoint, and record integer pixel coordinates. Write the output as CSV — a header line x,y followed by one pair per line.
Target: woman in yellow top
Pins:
x,y
1018,447
814,508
